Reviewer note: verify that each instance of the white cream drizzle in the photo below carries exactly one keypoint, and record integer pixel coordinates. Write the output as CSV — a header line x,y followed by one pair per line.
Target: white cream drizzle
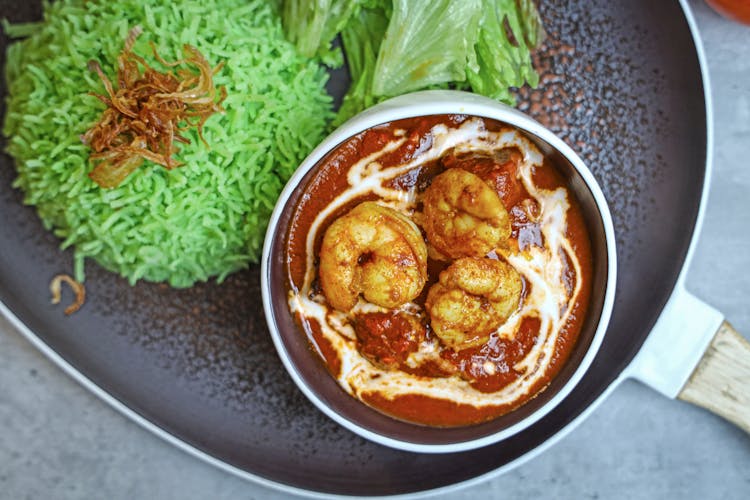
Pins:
x,y
543,268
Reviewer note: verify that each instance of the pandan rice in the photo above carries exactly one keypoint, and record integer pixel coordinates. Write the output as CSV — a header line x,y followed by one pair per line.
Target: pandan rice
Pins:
x,y
206,218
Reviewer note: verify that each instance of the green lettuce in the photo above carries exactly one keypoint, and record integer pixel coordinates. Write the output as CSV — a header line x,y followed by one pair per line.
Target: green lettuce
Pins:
x,y
312,25
427,42
503,50
361,39
397,46
531,23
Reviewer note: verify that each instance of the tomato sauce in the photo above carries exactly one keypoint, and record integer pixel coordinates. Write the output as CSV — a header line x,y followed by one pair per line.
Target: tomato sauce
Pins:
x,y
386,339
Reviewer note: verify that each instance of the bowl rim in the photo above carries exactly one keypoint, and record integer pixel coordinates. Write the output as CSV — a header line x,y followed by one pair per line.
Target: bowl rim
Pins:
x,y
423,103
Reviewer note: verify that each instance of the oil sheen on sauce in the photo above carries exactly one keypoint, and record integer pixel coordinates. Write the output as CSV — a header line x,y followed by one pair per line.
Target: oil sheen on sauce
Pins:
x,y
372,353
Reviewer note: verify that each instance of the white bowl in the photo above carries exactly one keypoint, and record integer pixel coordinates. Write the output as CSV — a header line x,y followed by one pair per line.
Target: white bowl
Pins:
x,y
307,370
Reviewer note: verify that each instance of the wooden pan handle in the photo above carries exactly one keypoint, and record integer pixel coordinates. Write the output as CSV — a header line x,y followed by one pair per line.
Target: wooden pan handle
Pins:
x,y
721,381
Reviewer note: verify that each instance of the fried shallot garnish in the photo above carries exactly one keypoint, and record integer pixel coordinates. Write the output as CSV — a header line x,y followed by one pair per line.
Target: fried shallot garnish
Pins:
x,y
148,111
78,289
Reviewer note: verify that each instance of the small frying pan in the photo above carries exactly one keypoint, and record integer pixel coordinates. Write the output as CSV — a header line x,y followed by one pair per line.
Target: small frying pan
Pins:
x,y
622,82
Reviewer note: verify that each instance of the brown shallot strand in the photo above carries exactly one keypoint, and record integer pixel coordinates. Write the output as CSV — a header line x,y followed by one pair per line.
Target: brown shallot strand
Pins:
x,y
78,289
148,111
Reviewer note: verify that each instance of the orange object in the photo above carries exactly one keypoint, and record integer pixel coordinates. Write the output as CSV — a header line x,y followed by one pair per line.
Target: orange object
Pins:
x,y
738,10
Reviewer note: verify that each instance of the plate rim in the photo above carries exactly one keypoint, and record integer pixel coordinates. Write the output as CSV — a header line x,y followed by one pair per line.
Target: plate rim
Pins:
x,y
625,373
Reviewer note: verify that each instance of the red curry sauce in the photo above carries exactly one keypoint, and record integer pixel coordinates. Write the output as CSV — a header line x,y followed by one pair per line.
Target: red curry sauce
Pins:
x,y
387,340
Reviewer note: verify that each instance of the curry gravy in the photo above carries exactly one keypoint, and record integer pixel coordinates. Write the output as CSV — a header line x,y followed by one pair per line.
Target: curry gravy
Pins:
x,y
381,359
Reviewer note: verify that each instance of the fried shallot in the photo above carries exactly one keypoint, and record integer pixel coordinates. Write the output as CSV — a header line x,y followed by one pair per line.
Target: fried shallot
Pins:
x,y
78,289
148,111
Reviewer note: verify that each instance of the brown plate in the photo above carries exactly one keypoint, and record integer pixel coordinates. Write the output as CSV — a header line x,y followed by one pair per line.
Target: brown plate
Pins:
x,y
621,83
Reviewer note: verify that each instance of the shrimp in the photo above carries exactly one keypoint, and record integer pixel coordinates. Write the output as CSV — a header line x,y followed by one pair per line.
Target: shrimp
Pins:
x,y
374,251
463,216
473,298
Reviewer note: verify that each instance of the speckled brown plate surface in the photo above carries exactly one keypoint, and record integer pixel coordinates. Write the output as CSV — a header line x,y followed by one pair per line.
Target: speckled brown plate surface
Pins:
x,y
621,83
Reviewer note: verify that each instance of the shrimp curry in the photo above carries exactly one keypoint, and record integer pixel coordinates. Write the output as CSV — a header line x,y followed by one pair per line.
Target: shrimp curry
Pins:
x,y
440,267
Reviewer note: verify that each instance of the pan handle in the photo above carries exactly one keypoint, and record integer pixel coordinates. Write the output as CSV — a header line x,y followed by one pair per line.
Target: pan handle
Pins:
x,y
721,381
694,355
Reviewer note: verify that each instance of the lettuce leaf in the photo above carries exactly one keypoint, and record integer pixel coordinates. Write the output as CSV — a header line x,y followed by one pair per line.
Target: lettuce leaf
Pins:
x,y
312,25
531,23
503,50
397,46
427,42
361,39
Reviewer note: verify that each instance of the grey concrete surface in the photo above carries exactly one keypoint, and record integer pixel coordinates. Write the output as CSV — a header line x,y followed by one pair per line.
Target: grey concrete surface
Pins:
x,y
59,441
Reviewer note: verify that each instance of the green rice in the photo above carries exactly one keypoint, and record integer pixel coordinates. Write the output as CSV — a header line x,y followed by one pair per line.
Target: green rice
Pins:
x,y
204,219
